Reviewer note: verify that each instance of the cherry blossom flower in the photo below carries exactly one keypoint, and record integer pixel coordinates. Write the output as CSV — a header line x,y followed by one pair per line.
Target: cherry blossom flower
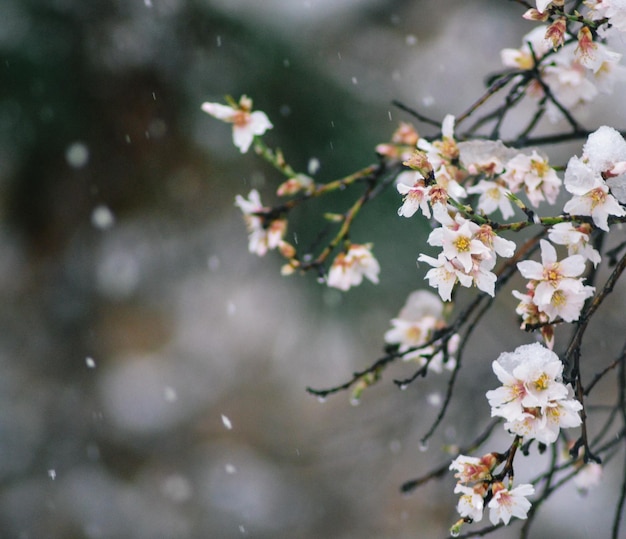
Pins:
x,y
594,56
614,10
473,469
263,235
533,398
522,58
544,426
493,196
576,238
421,315
550,271
557,289
246,124
566,299
534,175
509,503
531,377
444,275
471,503
441,155
416,194
415,325
604,155
348,269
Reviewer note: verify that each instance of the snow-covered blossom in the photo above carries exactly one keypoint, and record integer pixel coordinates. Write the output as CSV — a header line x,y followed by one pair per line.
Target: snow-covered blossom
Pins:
x,y
348,269
603,154
246,124
263,234
576,238
530,377
533,398
509,503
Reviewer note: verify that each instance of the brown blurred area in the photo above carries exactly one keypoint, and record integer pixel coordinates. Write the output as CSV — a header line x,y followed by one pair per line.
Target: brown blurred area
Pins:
x,y
153,372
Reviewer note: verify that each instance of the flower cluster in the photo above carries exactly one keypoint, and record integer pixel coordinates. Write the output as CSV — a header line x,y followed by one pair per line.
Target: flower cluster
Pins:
x,y
468,255
349,268
589,178
415,332
264,234
459,183
555,289
576,73
533,398
480,487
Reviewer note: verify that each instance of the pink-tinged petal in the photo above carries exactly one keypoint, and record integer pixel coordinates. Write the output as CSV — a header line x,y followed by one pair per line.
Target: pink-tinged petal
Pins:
x,y
219,111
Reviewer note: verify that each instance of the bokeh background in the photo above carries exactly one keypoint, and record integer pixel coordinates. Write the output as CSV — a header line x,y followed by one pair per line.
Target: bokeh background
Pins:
x,y
152,371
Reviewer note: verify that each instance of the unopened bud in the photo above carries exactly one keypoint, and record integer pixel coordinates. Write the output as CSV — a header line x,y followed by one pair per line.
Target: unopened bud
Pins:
x,y
405,134
419,161
535,15
286,249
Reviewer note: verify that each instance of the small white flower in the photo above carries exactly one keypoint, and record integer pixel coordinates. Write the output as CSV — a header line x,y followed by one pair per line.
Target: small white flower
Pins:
x,y
532,174
416,194
597,203
493,196
470,503
246,124
262,236
443,276
348,269
566,299
551,270
509,503
576,239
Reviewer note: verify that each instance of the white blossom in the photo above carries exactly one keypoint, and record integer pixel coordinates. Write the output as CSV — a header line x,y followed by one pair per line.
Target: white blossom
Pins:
x,y
262,236
533,175
533,398
348,269
493,196
470,503
246,124
509,503
416,194
576,239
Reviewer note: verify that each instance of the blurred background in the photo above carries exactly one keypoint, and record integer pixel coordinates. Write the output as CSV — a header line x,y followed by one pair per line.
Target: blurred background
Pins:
x,y
153,372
